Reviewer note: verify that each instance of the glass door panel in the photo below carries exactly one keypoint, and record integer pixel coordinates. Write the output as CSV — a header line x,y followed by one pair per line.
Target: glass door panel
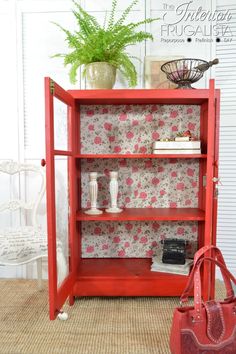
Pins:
x,y
60,125
62,218
60,113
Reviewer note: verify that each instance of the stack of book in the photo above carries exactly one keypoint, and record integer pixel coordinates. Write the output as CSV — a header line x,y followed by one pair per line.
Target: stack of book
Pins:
x,y
177,147
159,266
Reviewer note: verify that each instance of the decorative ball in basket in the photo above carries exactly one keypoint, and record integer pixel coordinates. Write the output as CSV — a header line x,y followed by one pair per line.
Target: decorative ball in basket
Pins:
x,y
185,72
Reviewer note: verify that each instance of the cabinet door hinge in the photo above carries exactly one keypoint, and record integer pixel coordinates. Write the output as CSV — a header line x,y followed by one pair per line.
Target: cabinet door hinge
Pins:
x,y
204,180
52,87
216,192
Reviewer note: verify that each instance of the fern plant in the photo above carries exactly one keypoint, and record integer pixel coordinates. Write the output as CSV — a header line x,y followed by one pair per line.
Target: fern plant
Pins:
x,y
107,43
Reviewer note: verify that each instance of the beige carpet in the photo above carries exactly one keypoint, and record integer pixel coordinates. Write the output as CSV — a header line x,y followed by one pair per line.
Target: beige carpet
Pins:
x,y
95,325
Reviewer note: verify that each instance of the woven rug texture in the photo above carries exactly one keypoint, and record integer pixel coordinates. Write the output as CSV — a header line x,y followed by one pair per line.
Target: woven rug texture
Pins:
x,y
96,325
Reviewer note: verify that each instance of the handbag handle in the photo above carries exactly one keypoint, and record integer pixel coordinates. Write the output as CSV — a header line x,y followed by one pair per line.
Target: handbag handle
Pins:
x,y
199,255
197,285
217,253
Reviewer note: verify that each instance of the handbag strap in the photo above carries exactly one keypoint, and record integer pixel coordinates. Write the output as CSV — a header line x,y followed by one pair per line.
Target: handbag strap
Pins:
x,y
216,253
201,252
199,256
228,285
197,285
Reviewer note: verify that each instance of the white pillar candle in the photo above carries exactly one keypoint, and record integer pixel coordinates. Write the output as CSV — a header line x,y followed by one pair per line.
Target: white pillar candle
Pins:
x,y
113,193
93,193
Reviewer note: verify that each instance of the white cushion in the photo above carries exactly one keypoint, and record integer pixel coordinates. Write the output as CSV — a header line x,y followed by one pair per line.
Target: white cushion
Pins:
x,y
22,244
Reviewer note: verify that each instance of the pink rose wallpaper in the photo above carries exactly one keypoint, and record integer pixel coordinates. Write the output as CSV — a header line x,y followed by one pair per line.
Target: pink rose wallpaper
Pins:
x,y
124,129
144,183
133,239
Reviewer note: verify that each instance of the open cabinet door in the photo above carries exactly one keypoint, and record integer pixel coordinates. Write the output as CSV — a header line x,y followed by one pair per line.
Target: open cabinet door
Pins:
x,y
215,185
209,281
60,120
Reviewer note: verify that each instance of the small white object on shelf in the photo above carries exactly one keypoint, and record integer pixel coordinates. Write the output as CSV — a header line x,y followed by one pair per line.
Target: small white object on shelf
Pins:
x,y
177,145
113,193
159,266
182,138
93,192
176,151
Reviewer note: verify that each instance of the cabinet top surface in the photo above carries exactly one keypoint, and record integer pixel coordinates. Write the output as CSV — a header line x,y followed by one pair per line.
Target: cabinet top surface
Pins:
x,y
140,96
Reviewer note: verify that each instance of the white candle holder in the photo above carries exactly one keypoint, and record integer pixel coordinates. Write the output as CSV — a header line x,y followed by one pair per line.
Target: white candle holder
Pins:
x,y
113,193
93,193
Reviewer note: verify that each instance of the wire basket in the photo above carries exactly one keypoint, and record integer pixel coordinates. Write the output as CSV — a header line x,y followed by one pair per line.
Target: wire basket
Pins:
x,y
185,72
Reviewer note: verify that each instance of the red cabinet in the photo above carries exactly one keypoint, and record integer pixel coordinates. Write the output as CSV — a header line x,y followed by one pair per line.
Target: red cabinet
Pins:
x,y
90,144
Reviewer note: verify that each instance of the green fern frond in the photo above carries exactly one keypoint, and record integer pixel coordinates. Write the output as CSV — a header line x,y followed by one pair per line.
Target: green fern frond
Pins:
x,y
105,21
86,16
125,13
134,57
128,69
58,55
73,71
144,22
139,37
112,15
86,28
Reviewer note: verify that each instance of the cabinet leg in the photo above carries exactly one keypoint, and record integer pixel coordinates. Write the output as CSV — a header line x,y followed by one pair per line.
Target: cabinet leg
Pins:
x,y
71,300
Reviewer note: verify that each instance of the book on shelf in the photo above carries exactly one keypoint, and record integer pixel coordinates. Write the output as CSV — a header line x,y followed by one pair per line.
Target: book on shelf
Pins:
x,y
181,269
189,145
182,138
176,151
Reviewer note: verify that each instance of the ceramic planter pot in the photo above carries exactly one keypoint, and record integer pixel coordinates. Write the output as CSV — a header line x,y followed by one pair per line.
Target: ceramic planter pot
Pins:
x,y
100,75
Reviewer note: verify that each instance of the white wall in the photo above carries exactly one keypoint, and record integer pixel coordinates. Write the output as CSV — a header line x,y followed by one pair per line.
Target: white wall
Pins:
x,y
30,41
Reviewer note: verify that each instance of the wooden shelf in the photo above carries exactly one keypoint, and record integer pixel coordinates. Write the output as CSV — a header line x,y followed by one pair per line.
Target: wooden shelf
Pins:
x,y
125,277
141,156
140,96
147,214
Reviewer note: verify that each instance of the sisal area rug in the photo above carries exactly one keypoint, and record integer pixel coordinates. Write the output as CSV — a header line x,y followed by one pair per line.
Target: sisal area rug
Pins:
x,y
95,325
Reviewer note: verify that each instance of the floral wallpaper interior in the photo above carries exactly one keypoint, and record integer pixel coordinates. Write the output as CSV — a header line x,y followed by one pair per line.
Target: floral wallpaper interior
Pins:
x,y
107,129
143,183
133,238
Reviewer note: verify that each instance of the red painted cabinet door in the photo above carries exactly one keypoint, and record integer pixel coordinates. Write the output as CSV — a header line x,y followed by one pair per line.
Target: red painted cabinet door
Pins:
x,y
60,120
210,206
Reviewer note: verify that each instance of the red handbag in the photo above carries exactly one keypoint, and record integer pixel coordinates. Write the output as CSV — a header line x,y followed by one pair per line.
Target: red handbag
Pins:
x,y
207,327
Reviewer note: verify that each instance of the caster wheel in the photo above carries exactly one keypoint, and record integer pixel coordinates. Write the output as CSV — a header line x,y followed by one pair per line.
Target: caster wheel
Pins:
x,y
63,316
